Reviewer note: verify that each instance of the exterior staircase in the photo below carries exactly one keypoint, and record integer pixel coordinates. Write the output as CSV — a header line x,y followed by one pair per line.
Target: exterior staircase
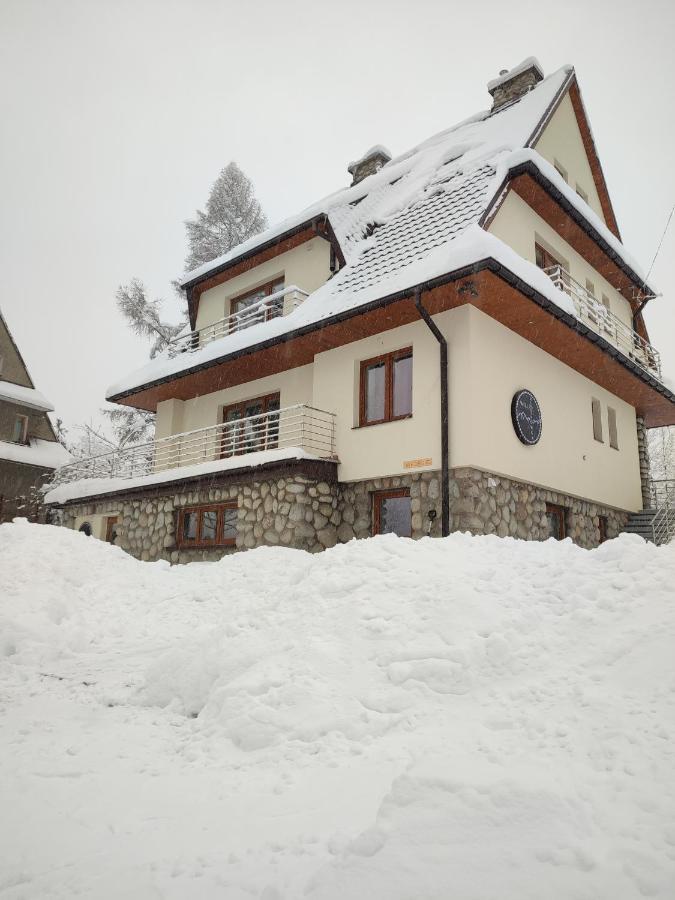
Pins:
x,y
656,523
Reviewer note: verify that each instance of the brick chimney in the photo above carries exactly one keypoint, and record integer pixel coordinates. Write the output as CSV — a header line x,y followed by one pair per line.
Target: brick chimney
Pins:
x,y
514,83
371,162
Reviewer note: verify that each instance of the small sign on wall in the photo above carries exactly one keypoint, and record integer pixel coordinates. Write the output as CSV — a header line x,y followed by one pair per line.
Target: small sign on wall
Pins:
x,y
417,463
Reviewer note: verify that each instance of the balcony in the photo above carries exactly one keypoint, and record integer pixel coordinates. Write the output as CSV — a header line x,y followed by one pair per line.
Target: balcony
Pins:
x,y
599,319
281,303
299,426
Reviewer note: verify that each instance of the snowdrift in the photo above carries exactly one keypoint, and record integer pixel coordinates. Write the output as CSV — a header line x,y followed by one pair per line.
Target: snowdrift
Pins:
x,y
468,718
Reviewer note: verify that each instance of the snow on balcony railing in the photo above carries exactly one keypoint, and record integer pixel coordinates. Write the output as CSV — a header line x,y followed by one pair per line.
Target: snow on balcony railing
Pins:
x,y
301,426
281,303
603,322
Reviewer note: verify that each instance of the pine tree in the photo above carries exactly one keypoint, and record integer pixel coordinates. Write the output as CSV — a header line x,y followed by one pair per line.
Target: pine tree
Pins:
x,y
232,215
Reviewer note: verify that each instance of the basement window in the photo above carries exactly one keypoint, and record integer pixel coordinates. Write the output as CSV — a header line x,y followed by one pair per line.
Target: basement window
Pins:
x,y
555,517
602,528
386,388
392,513
207,526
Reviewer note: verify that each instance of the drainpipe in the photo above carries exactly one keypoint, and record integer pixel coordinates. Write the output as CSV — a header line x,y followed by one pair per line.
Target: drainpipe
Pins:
x,y
445,437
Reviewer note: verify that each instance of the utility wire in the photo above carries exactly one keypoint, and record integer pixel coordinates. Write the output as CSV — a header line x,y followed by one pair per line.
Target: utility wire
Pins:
x,y
660,242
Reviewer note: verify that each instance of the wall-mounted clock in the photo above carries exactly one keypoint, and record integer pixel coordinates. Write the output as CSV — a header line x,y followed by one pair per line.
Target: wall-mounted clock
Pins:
x,y
526,417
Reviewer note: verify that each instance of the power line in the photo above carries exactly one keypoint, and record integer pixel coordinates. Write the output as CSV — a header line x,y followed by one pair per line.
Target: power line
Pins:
x,y
660,242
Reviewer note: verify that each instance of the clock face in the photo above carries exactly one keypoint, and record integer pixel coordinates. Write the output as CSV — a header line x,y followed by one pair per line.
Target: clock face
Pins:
x,y
526,417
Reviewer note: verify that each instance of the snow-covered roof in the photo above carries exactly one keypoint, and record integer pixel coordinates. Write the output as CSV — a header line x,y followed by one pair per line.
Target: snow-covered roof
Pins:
x,y
46,454
415,219
88,487
24,396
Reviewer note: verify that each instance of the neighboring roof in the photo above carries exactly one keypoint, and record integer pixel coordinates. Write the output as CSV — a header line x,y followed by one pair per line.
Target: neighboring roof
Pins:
x,y
45,454
416,219
24,396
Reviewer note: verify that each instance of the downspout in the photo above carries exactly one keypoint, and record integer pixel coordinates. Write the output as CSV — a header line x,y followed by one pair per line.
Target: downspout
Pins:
x,y
445,436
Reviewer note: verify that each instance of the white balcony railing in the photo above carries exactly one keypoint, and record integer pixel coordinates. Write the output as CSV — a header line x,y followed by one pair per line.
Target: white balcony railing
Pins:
x,y
309,429
281,303
596,316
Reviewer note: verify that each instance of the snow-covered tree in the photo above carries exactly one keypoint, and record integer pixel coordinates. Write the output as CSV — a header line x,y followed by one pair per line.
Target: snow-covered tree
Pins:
x,y
662,453
232,215
143,316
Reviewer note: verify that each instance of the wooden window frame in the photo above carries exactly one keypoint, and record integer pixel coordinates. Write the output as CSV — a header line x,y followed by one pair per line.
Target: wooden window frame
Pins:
x,y
378,497
198,543
602,528
388,359
596,413
267,288
25,420
265,403
612,428
549,259
111,521
562,512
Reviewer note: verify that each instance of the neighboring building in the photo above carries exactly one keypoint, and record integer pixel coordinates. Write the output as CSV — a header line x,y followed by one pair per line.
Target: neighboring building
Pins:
x,y
29,450
455,341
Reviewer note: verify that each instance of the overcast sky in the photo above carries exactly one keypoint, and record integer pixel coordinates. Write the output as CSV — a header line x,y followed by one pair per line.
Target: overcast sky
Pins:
x,y
117,115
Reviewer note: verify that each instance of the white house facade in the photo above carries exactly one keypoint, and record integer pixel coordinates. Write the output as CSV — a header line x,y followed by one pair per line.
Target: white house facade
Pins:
x,y
453,342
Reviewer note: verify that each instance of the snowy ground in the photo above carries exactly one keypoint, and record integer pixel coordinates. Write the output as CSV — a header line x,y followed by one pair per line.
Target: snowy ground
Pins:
x,y
466,719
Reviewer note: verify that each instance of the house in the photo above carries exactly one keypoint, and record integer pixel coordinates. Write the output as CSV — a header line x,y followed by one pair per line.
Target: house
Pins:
x,y
29,449
453,341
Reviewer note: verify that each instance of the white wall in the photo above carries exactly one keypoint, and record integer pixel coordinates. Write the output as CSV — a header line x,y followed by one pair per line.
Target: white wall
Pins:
x,y
561,141
307,266
567,458
519,226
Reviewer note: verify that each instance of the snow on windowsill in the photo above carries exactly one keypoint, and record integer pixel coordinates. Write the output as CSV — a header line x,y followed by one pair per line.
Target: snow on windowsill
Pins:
x,y
24,396
46,454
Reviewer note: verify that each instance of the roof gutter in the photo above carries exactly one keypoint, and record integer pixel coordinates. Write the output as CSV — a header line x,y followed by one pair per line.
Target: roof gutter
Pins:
x,y
445,420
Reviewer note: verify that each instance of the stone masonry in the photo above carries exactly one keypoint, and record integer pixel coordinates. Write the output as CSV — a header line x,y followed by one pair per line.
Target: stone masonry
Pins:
x,y
311,514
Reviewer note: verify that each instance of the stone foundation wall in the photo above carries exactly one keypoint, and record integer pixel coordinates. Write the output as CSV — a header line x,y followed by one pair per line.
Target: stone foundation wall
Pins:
x,y
309,514
487,504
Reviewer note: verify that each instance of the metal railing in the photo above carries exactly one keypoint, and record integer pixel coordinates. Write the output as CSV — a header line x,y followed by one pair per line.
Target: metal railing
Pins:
x,y
603,322
278,304
302,426
663,500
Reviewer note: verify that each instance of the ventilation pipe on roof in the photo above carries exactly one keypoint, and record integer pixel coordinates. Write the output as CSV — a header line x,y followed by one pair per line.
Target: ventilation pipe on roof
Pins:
x,y
445,424
511,84
371,162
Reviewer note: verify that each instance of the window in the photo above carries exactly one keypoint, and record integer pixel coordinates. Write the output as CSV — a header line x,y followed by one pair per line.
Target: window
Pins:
x,y
544,259
555,516
207,526
582,193
602,528
239,305
590,287
611,422
392,513
596,410
386,388
250,426
20,430
111,529
560,169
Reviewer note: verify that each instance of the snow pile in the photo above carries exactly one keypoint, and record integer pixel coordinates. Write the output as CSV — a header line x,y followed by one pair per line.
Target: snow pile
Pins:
x,y
24,396
470,718
37,452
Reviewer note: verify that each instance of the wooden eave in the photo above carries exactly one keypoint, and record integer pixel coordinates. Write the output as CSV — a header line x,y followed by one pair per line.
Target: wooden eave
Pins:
x,y
282,243
487,285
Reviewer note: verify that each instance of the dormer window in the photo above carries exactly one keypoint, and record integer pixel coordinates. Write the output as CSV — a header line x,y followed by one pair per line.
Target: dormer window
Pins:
x,y
250,298
20,430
